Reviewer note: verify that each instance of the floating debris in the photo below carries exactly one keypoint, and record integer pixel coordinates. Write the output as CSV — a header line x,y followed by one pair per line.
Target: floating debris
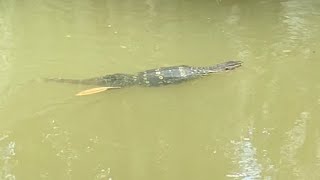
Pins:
x,y
94,90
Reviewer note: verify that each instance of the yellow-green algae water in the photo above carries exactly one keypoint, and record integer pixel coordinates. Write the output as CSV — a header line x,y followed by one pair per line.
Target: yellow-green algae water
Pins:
x,y
260,121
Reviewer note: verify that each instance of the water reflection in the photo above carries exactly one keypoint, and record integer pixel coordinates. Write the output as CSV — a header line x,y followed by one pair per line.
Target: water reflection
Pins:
x,y
6,43
7,144
245,159
296,24
295,139
7,156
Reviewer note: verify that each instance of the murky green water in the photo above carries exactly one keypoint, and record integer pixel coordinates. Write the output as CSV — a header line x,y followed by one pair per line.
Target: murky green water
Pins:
x,y
258,122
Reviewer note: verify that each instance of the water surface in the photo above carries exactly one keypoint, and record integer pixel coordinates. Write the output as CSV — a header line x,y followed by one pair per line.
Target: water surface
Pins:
x,y
257,122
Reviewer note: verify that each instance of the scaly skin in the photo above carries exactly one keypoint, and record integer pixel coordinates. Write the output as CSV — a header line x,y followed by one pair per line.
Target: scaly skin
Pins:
x,y
154,77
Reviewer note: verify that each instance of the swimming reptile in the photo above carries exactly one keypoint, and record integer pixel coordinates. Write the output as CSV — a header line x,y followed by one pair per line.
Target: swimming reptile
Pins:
x,y
153,77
